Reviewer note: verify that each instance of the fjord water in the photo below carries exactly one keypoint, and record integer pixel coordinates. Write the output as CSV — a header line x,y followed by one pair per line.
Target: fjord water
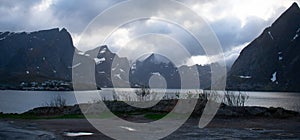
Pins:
x,y
21,101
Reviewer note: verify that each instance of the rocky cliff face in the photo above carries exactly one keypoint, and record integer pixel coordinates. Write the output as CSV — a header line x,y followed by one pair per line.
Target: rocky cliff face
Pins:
x,y
158,66
108,67
35,56
272,61
114,71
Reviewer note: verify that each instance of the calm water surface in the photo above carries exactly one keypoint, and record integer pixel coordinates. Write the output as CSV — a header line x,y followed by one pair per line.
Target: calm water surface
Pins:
x,y
21,101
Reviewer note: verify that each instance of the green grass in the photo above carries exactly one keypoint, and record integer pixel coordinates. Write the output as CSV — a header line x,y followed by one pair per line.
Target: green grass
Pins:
x,y
71,116
155,116
17,116
104,115
34,117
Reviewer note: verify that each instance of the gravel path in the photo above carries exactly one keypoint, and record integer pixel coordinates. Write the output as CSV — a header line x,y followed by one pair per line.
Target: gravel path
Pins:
x,y
219,128
10,131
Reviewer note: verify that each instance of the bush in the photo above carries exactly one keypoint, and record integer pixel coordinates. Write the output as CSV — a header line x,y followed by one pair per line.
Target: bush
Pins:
x,y
57,101
232,99
143,92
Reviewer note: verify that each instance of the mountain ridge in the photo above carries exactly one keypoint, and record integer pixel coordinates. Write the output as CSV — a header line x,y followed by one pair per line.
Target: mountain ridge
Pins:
x,y
270,61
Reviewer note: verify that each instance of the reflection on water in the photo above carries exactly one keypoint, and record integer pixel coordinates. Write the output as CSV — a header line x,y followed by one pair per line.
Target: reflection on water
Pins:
x,y
21,101
286,100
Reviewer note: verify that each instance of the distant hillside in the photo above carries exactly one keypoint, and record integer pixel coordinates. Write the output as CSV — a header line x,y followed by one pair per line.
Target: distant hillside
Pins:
x,y
137,74
43,60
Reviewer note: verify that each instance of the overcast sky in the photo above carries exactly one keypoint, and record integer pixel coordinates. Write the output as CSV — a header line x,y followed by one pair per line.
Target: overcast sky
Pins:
x,y
234,22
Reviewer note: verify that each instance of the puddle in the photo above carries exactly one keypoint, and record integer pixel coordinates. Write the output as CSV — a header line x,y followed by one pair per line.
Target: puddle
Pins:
x,y
128,128
285,134
256,129
76,134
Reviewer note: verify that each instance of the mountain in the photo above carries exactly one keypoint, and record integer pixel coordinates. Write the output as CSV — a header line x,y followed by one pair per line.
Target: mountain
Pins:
x,y
36,57
155,64
109,68
272,61
158,65
43,60
114,71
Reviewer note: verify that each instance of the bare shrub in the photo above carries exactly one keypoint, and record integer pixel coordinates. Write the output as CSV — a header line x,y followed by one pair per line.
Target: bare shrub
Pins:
x,y
211,95
233,99
204,95
57,101
115,97
143,93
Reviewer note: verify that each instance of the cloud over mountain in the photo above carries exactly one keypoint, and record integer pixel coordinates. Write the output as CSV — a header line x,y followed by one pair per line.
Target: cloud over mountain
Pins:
x,y
234,22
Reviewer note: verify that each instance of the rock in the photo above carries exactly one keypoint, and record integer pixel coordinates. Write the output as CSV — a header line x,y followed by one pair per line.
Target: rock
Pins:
x,y
279,113
255,111
43,111
72,110
225,112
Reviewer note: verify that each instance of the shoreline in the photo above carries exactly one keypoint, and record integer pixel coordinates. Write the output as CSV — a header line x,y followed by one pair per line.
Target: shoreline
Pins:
x,y
19,89
162,107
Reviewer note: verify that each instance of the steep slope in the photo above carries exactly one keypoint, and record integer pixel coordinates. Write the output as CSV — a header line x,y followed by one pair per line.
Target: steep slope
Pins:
x,y
108,67
272,61
154,64
114,71
36,57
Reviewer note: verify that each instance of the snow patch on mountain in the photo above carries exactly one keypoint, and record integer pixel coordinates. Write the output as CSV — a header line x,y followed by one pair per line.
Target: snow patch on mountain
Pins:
x,y
118,76
295,37
101,72
274,78
156,73
2,38
270,34
99,60
133,67
245,77
103,50
81,53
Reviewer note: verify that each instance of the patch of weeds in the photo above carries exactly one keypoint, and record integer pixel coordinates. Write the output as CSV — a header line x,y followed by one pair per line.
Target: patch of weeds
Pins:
x,y
155,116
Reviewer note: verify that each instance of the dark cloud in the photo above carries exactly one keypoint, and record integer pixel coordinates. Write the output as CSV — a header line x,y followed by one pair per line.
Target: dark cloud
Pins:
x,y
14,14
20,15
76,15
231,33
